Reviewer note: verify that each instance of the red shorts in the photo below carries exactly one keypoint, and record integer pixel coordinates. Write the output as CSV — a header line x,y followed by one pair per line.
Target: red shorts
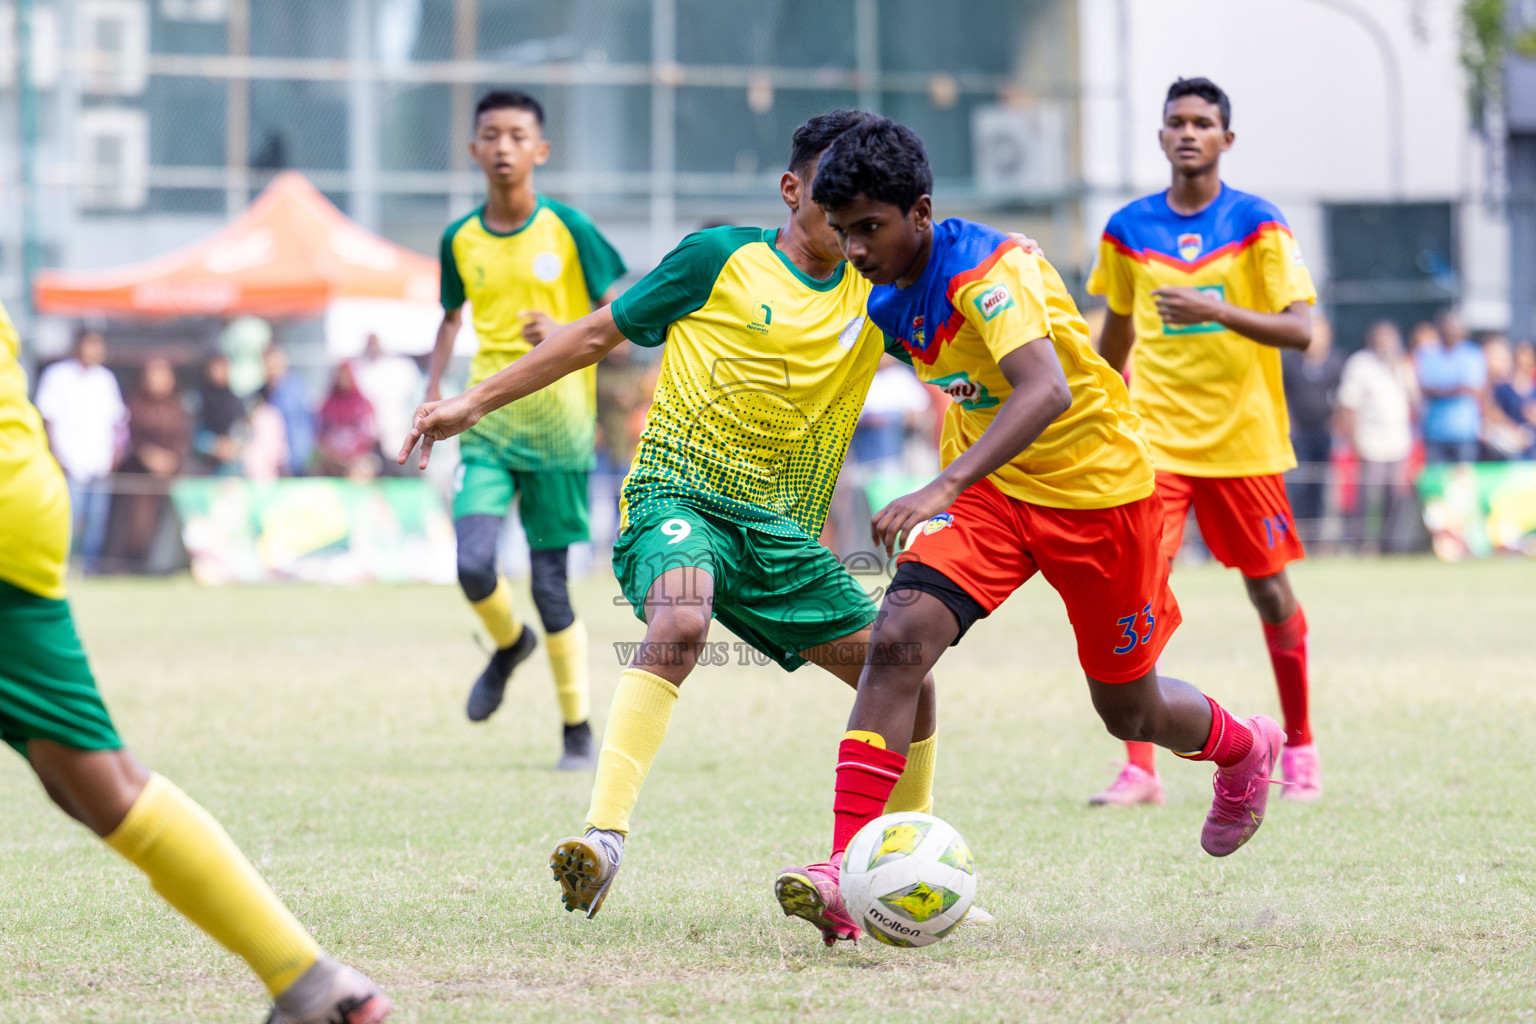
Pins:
x,y
1246,521
1104,562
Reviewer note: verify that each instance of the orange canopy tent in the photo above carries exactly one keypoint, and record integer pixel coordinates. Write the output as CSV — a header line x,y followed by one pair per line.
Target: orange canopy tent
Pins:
x,y
290,254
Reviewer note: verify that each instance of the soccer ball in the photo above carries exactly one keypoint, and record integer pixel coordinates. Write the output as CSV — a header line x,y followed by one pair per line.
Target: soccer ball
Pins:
x,y
908,879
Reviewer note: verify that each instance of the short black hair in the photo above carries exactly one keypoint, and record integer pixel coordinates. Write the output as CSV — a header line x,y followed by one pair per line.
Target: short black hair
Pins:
x,y
509,99
1206,90
884,160
812,138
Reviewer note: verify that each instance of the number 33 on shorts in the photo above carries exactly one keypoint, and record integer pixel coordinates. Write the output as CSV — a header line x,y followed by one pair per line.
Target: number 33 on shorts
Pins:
x,y
1129,633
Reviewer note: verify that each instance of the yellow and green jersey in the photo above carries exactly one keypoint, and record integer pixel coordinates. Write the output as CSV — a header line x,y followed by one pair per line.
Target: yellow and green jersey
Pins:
x,y
34,500
764,376
558,264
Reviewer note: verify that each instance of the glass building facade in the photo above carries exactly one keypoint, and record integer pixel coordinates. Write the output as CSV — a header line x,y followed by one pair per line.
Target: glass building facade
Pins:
x,y
142,124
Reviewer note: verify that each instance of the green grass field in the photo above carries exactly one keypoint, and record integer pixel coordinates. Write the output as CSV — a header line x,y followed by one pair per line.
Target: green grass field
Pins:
x,y
324,728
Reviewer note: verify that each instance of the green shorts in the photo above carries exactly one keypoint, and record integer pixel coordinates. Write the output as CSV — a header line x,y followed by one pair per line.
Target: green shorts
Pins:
x,y
46,688
552,503
779,594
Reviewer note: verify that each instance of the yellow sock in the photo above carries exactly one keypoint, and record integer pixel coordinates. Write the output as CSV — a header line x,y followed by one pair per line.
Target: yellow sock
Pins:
x,y
496,613
568,663
914,790
874,739
637,724
196,867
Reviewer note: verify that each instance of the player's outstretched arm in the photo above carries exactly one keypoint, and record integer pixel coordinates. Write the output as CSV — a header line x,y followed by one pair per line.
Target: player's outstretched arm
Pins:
x,y
1289,328
1117,338
442,350
571,348
1040,394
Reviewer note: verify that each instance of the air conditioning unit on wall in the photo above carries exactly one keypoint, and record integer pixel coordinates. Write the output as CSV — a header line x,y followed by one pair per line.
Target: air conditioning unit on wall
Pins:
x,y
1020,152
194,10
114,158
112,37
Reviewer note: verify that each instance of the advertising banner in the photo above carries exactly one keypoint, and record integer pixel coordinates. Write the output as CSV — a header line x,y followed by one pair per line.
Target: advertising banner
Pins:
x,y
314,530
1477,509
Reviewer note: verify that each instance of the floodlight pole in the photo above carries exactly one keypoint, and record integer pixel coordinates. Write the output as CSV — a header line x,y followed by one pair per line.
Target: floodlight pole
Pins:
x,y
1393,74
31,239
665,77
237,113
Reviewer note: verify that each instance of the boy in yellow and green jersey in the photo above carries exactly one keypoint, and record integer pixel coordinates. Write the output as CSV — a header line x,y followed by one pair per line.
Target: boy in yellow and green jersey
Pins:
x,y
525,264
769,355
52,715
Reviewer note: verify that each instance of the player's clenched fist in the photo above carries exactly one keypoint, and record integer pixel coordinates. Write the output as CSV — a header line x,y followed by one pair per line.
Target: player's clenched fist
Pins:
x,y
1186,305
438,421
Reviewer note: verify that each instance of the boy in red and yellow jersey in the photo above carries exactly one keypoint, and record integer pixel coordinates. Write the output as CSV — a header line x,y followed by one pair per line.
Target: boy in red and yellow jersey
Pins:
x,y
1045,471
1210,282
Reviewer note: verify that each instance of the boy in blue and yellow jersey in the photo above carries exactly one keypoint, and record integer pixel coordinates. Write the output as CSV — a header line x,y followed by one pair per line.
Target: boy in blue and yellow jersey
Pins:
x,y
52,715
1044,472
1205,286
768,358
525,264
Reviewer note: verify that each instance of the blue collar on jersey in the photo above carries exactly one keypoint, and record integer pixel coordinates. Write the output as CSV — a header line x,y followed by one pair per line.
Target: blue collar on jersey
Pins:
x,y
921,318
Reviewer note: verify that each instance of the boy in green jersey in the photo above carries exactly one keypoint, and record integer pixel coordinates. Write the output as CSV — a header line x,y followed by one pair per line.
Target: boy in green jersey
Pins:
x,y
769,356
525,264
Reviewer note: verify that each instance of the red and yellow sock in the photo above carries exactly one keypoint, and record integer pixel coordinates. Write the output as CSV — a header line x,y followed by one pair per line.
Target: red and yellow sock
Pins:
x,y
1287,642
1229,742
866,774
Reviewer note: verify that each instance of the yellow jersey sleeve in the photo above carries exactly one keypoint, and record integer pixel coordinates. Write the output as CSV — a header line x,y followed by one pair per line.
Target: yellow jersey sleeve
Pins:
x,y
1114,277
1006,307
34,500
1286,279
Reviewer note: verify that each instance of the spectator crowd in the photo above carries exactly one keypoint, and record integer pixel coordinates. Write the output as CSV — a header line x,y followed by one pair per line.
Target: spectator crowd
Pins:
x,y
1363,425
119,456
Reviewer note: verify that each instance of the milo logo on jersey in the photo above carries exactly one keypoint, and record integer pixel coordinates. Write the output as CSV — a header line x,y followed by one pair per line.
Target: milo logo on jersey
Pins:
x,y
993,301
968,394
1207,326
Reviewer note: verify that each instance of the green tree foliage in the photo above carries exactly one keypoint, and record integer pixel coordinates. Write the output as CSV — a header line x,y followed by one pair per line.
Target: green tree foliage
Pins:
x,y
1485,41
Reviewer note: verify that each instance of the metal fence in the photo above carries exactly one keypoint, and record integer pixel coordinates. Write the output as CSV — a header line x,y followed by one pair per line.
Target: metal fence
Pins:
x,y
1355,511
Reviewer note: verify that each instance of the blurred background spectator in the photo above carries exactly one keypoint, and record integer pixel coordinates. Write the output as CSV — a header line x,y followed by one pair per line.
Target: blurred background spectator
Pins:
x,y
348,439
1311,380
625,385
893,450
221,426
1376,398
1507,432
285,393
1517,396
1452,377
266,455
84,412
159,439
897,406
394,386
